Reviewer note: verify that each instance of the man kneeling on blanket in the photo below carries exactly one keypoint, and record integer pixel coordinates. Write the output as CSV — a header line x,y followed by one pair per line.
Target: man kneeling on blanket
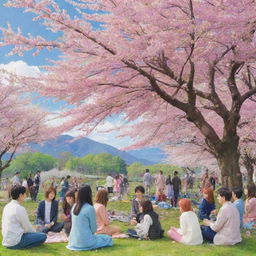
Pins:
x,y
149,227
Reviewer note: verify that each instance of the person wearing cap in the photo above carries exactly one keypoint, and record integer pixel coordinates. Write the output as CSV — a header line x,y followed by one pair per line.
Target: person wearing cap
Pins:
x,y
16,180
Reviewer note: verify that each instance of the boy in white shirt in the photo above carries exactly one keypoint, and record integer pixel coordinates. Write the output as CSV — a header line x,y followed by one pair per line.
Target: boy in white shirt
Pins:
x,y
17,231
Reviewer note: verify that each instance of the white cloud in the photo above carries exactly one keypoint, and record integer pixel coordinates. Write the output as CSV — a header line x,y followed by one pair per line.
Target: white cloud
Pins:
x,y
21,68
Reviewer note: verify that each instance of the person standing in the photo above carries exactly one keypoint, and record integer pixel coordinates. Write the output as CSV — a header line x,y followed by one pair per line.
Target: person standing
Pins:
x,y
117,186
212,180
25,184
170,192
37,183
64,188
124,188
205,180
17,231
16,179
176,188
109,183
147,181
54,183
160,182
31,187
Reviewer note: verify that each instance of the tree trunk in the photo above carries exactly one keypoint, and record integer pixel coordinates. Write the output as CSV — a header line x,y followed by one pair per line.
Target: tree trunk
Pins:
x,y
228,161
249,167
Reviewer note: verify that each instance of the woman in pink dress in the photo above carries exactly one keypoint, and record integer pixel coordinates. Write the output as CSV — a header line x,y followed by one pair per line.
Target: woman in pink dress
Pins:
x,y
117,185
160,182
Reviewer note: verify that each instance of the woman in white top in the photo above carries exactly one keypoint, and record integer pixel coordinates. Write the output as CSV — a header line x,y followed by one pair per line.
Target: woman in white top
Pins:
x,y
150,226
189,232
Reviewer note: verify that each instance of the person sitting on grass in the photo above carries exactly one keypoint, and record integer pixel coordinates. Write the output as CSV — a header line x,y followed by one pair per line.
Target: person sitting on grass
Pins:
x,y
103,223
238,202
207,206
17,231
250,208
47,213
189,232
161,197
84,224
226,229
136,215
67,205
150,226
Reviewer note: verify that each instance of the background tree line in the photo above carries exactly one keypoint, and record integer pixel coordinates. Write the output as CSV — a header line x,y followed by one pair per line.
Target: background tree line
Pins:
x,y
99,164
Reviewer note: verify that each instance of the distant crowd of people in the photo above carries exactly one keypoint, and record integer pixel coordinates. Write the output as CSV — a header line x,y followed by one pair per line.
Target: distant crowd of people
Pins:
x,y
88,227
31,185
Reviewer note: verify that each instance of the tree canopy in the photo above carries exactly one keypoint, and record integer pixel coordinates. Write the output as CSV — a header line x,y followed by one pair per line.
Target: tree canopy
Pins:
x,y
156,62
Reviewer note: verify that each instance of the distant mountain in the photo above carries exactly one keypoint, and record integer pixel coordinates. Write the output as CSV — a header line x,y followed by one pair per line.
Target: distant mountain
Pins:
x,y
85,146
154,154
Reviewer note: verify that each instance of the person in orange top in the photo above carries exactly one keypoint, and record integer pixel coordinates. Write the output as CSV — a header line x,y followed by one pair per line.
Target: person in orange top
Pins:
x,y
103,223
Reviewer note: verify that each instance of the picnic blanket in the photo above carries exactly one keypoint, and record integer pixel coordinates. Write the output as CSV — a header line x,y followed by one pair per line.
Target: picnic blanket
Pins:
x,y
60,237
119,216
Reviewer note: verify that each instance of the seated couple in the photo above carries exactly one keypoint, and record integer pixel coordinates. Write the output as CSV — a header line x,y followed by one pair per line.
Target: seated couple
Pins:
x,y
143,216
148,225
224,231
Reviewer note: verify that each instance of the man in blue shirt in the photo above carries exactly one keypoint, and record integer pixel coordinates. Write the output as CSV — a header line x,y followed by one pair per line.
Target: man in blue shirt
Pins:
x,y
238,202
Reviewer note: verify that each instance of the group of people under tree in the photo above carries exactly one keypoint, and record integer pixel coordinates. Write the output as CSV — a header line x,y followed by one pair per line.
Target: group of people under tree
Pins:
x,y
88,225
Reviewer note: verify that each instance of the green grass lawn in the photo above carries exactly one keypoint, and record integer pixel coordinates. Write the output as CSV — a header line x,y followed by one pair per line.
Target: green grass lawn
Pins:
x,y
133,247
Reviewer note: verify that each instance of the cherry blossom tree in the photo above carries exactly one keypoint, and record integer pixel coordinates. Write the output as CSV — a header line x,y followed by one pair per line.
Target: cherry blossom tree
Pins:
x,y
20,121
153,62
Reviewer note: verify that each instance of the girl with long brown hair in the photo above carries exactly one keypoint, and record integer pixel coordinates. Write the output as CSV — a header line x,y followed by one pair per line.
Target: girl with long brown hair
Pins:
x,y
103,223
250,208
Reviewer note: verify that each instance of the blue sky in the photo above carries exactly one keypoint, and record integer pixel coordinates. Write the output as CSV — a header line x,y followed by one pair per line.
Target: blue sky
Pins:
x,y
17,18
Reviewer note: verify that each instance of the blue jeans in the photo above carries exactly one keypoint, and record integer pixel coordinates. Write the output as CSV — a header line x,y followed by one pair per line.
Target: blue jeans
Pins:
x,y
29,240
207,233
